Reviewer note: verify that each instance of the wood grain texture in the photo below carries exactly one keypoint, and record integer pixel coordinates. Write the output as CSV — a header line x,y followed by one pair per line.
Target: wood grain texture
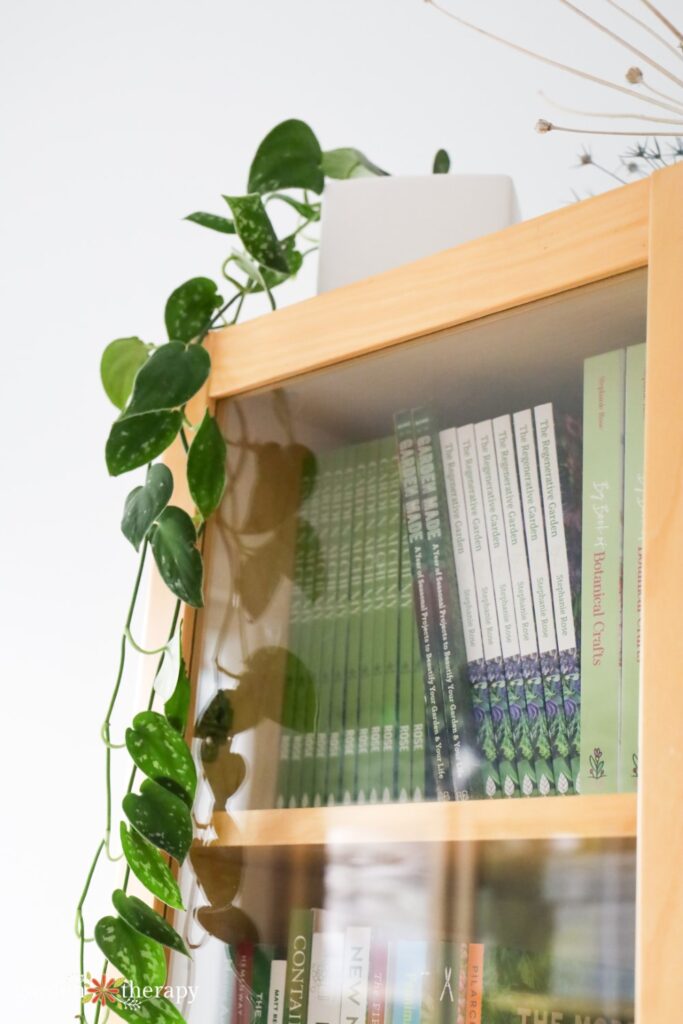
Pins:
x,y
583,243
585,817
660,798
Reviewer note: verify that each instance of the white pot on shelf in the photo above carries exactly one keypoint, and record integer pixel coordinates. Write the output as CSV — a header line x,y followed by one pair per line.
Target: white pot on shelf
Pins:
x,y
373,224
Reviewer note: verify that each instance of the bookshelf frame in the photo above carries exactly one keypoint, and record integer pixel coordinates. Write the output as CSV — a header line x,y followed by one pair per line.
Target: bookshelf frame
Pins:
x,y
633,227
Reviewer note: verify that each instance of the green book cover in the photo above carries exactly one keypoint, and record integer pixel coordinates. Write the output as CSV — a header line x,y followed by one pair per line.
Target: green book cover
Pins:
x,y
391,634
369,624
299,943
460,722
405,669
422,783
316,734
380,619
260,982
505,608
309,498
362,455
541,592
523,603
634,462
474,648
438,747
603,466
329,752
486,604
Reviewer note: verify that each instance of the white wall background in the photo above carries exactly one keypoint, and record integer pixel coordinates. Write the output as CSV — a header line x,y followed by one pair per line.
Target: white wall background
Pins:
x,y
118,119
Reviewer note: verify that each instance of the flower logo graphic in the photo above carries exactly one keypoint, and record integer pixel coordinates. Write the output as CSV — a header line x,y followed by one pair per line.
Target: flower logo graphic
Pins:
x,y
103,991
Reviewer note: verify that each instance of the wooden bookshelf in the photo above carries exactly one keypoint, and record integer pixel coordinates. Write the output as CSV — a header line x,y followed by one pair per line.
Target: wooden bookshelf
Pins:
x,y
577,281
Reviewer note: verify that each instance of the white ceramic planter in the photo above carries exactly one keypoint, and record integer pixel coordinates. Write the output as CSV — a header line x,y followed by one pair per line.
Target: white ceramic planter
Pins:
x,y
373,224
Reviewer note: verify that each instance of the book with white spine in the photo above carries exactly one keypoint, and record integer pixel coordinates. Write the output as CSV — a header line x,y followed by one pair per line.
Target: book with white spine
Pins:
x,y
276,993
325,978
355,971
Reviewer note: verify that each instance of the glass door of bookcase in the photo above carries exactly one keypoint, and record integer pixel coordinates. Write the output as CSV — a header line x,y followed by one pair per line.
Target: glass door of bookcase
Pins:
x,y
417,668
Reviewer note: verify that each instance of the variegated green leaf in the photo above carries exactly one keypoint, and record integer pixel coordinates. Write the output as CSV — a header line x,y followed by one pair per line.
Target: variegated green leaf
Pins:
x,y
161,817
146,921
141,960
149,867
160,752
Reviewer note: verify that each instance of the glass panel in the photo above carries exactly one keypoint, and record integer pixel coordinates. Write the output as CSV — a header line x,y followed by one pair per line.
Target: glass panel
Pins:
x,y
359,646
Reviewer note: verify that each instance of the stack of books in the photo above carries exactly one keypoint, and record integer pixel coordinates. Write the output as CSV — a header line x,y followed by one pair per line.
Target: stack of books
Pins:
x,y
353,975
444,646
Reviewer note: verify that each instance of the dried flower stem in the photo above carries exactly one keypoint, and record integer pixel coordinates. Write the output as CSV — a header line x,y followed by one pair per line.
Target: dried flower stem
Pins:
x,y
622,42
662,95
587,76
610,115
544,127
664,20
645,27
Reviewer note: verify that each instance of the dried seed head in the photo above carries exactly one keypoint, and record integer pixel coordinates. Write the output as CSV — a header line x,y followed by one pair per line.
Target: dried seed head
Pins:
x,y
585,158
543,126
634,76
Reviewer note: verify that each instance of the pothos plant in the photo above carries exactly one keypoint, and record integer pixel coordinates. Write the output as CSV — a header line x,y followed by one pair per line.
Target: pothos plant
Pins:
x,y
151,384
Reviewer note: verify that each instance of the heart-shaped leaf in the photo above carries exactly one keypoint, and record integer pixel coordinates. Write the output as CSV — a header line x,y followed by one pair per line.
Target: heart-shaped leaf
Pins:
x,y
225,772
136,440
288,157
136,1008
442,162
174,545
273,278
160,752
264,567
161,817
229,924
213,221
146,921
177,706
149,866
190,308
170,377
218,870
215,721
140,960
206,466
269,672
121,360
256,231
349,163
145,503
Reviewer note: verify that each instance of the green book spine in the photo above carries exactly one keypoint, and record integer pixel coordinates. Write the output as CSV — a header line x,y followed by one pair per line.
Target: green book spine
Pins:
x,y
634,461
260,982
460,721
296,628
505,608
362,478
299,943
438,751
467,590
486,603
317,725
559,456
534,531
380,620
330,749
603,464
369,622
405,669
391,657
422,785
523,603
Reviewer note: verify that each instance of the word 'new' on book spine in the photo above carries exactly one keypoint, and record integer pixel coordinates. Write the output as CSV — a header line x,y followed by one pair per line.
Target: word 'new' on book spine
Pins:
x,y
505,607
603,466
561,494
534,531
523,604
355,972
634,460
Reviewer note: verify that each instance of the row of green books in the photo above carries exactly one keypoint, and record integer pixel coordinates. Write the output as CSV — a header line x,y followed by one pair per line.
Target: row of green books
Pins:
x,y
437,606
353,975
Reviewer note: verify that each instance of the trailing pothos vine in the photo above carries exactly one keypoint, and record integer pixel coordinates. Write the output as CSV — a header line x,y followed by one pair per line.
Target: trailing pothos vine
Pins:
x,y
151,385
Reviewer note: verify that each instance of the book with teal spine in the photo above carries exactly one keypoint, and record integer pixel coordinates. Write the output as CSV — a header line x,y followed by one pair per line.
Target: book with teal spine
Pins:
x,y
523,603
486,603
505,607
362,454
390,701
405,670
407,967
558,442
438,747
544,616
452,659
603,468
380,621
317,723
474,648
369,619
634,461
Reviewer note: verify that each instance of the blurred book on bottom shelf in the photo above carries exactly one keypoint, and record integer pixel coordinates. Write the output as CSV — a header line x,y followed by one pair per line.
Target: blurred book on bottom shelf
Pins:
x,y
358,975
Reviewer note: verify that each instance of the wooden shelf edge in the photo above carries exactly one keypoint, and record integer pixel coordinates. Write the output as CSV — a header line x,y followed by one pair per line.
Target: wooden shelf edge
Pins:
x,y
584,817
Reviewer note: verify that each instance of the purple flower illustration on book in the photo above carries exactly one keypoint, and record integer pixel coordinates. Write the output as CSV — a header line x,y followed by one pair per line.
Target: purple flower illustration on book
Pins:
x,y
597,764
